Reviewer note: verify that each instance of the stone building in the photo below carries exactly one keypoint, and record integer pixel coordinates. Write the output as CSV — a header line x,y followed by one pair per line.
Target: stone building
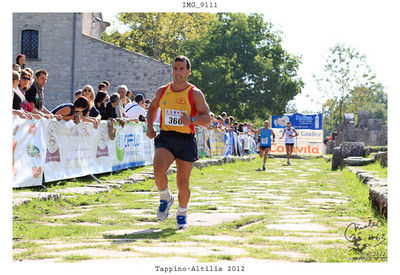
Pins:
x,y
69,47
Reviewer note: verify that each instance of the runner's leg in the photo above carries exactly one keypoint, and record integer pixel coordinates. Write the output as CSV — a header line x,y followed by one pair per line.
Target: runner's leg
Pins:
x,y
184,169
288,153
161,162
266,155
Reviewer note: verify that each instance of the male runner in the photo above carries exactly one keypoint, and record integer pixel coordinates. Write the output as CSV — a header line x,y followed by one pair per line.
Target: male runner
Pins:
x,y
265,141
182,106
291,133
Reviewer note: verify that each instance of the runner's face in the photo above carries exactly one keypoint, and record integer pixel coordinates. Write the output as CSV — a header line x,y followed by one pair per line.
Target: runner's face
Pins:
x,y
180,73
266,124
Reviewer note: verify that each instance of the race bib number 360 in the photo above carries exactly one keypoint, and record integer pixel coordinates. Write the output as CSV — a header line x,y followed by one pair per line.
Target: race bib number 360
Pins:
x,y
173,117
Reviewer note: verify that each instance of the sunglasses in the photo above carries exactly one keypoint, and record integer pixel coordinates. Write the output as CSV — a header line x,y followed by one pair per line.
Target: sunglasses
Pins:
x,y
86,90
26,78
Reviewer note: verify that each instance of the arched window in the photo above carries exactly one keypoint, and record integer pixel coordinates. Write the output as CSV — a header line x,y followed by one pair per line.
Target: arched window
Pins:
x,y
30,44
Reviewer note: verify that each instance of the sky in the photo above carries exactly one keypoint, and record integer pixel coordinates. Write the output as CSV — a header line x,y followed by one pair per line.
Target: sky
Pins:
x,y
311,28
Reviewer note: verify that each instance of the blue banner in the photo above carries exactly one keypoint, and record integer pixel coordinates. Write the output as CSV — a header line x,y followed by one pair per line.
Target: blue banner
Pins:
x,y
298,121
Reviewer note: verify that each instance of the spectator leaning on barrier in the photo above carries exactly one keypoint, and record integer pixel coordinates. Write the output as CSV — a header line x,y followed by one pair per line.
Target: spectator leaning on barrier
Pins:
x,y
100,105
119,110
136,108
88,93
18,98
110,106
235,127
35,94
23,86
72,110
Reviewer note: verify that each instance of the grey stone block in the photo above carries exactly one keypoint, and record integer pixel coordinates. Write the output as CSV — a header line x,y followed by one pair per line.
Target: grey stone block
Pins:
x,y
357,161
336,158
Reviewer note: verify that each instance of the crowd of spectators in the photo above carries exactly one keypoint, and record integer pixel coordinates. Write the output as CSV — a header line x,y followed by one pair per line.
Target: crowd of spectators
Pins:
x,y
90,106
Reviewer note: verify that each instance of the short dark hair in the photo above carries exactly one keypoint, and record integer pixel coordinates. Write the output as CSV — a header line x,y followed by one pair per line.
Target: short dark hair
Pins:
x,y
182,58
139,97
102,85
106,82
100,97
78,92
114,97
39,72
81,102
223,114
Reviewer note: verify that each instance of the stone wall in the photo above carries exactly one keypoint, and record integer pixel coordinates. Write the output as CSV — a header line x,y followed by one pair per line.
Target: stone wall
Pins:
x,y
95,60
119,66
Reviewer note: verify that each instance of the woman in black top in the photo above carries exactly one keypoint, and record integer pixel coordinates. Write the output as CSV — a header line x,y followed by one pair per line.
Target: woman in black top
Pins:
x,y
99,105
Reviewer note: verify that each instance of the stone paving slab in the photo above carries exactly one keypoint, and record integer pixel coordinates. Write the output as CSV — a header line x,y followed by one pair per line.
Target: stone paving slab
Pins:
x,y
211,219
298,227
83,190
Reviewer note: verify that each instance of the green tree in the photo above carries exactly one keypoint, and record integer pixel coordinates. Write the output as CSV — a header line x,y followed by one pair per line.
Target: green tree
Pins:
x,y
361,98
159,35
345,69
242,68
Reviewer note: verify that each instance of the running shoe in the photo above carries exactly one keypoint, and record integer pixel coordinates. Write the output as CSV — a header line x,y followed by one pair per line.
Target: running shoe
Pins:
x,y
181,222
163,209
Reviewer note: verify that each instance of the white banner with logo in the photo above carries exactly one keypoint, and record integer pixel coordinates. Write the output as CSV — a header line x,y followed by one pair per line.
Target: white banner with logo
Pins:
x,y
27,152
308,142
62,149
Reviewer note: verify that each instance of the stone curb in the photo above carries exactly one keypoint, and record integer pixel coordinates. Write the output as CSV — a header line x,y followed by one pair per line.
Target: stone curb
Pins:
x,y
378,191
21,198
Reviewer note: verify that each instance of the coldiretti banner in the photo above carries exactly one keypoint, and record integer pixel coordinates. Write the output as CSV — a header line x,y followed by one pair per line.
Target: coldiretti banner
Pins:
x,y
308,142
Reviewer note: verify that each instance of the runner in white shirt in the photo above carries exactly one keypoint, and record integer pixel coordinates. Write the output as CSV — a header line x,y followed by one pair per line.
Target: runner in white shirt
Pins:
x,y
291,133
136,108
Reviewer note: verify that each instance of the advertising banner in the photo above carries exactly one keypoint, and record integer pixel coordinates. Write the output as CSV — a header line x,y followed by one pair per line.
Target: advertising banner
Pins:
x,y
202,139
71,149
298,121
129,149
217,142
27,152
308,142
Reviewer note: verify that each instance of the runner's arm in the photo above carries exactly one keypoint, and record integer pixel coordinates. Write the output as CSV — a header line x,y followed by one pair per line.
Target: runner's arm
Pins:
x,y
152,111
273,135
284,132
202,109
